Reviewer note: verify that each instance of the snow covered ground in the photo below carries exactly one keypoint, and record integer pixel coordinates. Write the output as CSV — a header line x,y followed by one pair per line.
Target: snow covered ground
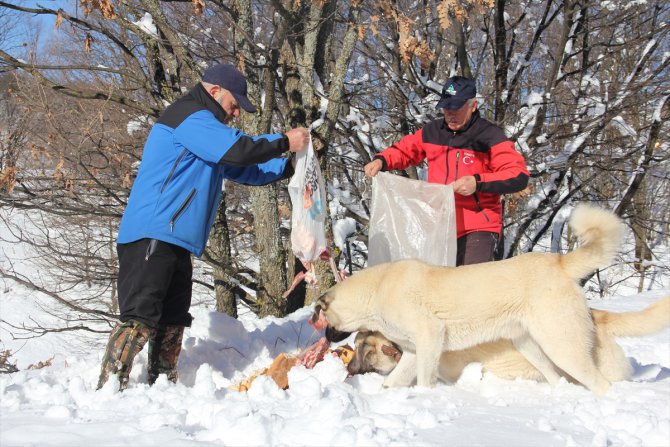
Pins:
x,y
58,405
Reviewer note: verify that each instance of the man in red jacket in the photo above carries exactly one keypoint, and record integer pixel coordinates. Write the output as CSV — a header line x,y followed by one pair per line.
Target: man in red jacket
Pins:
x,y
471,153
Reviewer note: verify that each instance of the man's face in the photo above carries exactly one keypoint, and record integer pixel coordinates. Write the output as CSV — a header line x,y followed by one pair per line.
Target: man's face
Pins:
x,y
229,104
457,119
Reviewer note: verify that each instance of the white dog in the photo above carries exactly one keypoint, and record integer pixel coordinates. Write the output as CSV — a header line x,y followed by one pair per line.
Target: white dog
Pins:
x,y
375,353
533,299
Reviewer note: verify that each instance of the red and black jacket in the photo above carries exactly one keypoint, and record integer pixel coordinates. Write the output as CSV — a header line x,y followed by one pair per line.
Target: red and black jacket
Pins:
x,y
480,149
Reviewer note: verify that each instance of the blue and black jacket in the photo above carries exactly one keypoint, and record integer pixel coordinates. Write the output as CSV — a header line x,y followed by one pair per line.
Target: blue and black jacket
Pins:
x,y
187,155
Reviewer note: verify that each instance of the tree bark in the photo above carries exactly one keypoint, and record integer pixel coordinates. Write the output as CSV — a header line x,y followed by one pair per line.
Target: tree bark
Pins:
x,y
218,256
272,261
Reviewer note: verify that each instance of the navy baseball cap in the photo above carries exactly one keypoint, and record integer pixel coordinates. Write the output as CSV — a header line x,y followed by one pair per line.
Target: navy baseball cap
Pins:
x,y
456,92
230,78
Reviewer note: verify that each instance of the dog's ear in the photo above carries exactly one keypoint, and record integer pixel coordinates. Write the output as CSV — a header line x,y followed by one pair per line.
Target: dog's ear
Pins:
x,y
360,337
322,304
325,299
355,366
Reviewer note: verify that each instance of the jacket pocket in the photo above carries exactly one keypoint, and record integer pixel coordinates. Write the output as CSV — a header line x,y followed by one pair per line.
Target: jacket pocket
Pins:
x,y
182,208
174,168
479,206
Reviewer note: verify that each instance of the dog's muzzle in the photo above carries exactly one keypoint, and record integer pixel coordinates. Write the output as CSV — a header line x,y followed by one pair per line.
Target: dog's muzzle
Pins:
x,y
333,335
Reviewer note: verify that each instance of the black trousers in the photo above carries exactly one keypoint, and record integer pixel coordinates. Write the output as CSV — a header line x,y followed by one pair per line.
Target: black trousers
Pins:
x,y
477,247
155,283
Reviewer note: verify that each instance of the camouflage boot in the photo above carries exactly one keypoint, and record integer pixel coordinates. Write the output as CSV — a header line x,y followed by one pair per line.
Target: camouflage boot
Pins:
x,y
125,342
164,349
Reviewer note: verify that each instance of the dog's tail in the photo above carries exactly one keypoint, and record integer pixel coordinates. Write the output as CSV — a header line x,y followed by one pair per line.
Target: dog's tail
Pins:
x,y
601,233
635,324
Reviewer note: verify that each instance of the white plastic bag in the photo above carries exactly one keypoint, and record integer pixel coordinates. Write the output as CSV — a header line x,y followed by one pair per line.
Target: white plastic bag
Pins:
x,y
411,219
308,196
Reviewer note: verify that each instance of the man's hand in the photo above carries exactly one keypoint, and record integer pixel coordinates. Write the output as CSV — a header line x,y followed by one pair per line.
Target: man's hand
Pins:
x,y
371,169
465,186
297,139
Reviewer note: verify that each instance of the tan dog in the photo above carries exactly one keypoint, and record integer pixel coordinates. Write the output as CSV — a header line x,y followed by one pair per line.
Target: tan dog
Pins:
x,y
533,299
375,353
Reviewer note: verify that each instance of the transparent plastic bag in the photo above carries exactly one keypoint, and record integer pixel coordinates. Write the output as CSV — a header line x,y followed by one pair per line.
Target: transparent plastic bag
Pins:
x,y
308,196
411,219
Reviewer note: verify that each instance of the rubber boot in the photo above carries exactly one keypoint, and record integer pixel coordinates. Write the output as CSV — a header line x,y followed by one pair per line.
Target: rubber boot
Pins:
x,y
164,349
125,342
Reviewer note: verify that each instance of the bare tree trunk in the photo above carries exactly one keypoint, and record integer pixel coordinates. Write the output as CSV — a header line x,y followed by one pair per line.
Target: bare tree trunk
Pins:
x,y
461,50
635,196
271,279
500,60
218,256
641,234
272,275
115,268
296,117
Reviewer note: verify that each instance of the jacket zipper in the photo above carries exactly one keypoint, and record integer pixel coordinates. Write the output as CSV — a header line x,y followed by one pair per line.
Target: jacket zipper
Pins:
x,y
446,164
458,155
479,206
181,209
174,168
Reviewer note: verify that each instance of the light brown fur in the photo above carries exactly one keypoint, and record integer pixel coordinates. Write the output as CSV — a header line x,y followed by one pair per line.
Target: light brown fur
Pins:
x,y
533,299
503,360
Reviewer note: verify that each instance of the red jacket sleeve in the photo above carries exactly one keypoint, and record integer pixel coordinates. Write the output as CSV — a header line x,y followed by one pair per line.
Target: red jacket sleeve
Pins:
x,y
405,153
508,172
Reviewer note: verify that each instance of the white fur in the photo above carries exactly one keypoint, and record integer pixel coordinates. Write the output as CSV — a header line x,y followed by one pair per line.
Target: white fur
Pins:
x,y
505,361
532,299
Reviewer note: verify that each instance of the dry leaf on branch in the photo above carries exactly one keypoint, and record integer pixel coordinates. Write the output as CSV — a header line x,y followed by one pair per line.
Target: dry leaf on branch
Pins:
x,y
104,6
6,366
59,19
88,41
361,32
374,25
8,179
198,6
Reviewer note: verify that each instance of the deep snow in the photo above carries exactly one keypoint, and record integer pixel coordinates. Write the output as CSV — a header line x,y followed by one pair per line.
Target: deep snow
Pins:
x,y
57,405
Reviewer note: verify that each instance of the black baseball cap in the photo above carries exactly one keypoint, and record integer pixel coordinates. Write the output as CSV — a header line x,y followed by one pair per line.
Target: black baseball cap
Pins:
x,y
456,92
230,78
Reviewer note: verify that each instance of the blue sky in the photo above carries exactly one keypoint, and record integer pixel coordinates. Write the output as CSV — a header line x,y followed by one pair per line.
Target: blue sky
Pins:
x,y
28,24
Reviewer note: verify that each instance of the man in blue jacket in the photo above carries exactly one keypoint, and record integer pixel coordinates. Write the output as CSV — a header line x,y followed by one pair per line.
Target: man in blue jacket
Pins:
x,y
171,208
